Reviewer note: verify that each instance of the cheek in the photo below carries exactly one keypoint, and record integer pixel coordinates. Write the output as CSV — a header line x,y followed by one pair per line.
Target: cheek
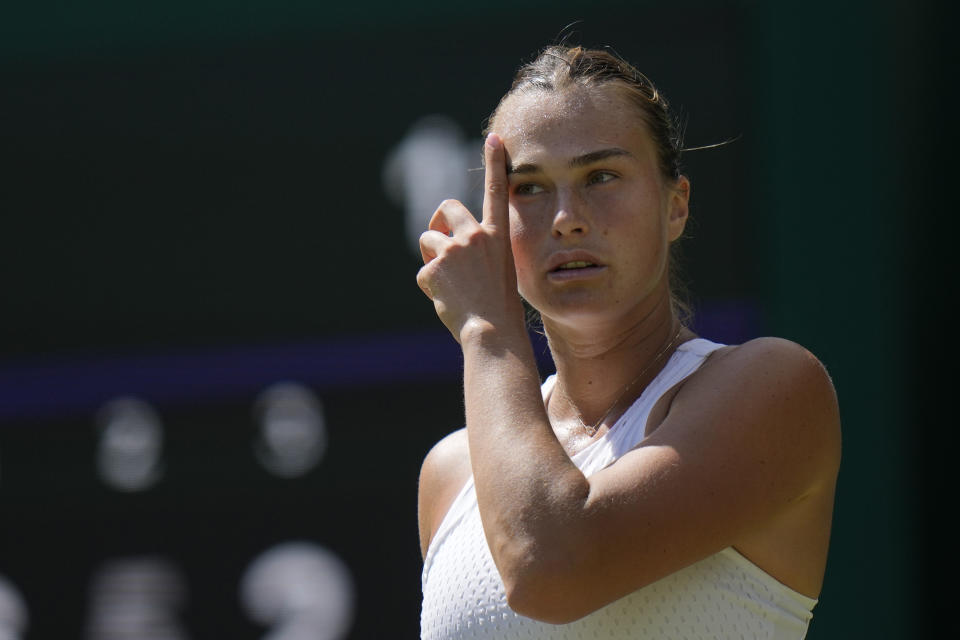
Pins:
x,y
650,249
520,233
523,251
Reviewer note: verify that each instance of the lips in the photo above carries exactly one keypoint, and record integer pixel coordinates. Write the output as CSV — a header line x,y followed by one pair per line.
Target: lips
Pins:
x,y
572,260
569,266
575,264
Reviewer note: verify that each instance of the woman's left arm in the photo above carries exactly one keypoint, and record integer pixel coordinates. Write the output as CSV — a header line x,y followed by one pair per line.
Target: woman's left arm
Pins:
x,y
750,437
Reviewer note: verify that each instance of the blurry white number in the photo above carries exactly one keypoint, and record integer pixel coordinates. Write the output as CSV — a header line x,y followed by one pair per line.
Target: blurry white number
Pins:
x,y
137,598
13,611
301,591
131,444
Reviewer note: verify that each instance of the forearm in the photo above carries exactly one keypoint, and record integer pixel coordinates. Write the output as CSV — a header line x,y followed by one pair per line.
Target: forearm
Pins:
x,y
528,490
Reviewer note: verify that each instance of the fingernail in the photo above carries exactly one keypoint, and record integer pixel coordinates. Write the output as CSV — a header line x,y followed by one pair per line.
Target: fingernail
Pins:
x,y
493,140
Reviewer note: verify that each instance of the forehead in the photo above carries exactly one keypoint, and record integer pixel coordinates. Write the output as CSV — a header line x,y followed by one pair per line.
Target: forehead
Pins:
x,y
570,122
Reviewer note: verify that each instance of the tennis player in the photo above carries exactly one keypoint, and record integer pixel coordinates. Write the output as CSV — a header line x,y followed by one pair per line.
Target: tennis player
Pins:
x,y
659,485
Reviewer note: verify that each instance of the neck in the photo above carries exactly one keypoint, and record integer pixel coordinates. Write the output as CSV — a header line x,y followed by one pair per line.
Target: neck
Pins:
x,y
600,373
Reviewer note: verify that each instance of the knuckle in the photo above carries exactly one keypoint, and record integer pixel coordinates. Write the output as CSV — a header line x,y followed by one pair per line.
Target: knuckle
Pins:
x,y
475,237
424,277
445,208
436,217
496,186
427,249
449,214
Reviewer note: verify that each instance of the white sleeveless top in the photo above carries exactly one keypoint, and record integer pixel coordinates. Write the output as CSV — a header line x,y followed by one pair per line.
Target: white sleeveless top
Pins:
x,y
722,596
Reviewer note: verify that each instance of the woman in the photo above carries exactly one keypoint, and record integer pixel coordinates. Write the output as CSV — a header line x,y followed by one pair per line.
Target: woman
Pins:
x,y
659,485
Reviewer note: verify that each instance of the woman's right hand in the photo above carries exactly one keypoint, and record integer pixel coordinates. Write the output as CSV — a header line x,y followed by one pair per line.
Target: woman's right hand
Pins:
x,y
468,268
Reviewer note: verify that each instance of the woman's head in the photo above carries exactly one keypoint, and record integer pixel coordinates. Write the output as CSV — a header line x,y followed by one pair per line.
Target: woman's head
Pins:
x,y
564,75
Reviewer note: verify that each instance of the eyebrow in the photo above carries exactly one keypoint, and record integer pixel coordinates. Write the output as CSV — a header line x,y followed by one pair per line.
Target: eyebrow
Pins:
x,y
579,161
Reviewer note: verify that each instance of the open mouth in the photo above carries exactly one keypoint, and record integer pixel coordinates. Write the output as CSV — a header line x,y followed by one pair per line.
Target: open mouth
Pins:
x,y
575,270
574,264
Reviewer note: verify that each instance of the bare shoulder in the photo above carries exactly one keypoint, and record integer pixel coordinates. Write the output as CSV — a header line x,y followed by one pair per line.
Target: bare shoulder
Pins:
x,y
779,370
447,459
444,471
776,391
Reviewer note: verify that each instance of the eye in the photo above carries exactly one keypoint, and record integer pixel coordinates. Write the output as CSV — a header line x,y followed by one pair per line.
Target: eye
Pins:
x,y
601,177
527,189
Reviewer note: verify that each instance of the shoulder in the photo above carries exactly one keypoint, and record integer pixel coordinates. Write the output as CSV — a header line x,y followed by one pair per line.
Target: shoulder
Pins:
x,y
774,367
447,457
773,362
444,471
768,393
767,350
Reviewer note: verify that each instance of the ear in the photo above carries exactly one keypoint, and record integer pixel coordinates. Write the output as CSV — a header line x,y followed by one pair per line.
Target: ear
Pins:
x,y
678,207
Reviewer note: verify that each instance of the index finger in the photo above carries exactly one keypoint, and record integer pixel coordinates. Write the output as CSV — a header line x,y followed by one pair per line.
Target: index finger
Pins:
x,y
496,195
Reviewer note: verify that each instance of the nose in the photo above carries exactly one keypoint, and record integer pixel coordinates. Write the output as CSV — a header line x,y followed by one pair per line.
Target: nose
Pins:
x,y
569,218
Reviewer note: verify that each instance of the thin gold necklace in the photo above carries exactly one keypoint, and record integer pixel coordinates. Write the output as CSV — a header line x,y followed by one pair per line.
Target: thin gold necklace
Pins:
x,y
592,430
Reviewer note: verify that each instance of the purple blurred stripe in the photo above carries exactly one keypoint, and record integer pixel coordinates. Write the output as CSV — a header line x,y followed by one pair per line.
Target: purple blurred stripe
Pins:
x,y
52,388
47,388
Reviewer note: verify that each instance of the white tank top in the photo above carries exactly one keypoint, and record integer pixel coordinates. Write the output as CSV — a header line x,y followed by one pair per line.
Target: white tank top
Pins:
x,y
722,596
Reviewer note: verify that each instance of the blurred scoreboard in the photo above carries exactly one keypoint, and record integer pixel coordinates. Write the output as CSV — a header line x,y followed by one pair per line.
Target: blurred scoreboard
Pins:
x,y
192,509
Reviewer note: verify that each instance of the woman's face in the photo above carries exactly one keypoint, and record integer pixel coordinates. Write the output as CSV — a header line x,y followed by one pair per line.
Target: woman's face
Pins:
x,y
591,216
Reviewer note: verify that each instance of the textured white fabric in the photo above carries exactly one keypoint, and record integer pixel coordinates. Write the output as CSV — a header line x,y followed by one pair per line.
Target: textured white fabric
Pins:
x,y
723,596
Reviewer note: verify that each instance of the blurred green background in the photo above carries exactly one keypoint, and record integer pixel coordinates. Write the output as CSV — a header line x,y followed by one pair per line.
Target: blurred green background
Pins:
x,y
200,190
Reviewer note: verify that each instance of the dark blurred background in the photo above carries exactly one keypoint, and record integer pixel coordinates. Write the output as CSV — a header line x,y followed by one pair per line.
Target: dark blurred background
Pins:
x,y
217,375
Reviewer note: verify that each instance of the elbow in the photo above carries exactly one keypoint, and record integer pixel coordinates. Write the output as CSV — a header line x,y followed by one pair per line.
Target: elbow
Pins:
x,y
544,568
530,606
542,590
542,602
